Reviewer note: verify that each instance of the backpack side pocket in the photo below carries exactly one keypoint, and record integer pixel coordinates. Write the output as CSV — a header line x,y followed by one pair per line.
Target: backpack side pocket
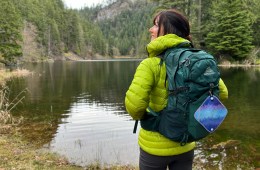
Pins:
x,y
151,120
173,124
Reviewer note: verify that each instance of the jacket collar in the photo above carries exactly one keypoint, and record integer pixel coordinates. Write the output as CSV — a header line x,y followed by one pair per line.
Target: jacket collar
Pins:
x,y
161,43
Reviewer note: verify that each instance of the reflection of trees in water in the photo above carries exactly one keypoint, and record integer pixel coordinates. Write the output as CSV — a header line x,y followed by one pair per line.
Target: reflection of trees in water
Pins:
x,y
61,82
243,83
242,122
39,133
54,86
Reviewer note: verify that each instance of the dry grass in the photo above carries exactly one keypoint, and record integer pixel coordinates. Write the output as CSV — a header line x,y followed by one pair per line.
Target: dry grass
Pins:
x,y
97,166
6,75
6,106
5,117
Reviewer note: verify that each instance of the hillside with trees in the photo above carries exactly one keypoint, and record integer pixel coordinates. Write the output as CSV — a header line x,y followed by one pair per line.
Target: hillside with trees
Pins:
x,y
37,30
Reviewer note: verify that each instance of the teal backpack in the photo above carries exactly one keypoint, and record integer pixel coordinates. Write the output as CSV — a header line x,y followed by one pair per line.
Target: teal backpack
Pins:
x,y
193,110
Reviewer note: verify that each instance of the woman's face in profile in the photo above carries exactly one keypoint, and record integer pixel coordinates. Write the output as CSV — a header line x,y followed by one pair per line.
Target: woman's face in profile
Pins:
x,y
154,29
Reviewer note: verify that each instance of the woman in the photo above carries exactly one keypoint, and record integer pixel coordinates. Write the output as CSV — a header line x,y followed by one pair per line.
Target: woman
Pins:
x,y
148,89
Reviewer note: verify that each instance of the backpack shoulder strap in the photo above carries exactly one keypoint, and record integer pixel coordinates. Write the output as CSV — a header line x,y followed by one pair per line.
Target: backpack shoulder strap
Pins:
x,y
171,59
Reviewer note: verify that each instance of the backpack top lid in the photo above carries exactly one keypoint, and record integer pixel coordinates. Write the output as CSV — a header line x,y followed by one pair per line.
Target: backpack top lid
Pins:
x,y
190,73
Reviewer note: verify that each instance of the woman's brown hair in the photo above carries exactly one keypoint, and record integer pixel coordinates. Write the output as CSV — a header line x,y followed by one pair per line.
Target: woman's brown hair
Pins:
x,y
173,22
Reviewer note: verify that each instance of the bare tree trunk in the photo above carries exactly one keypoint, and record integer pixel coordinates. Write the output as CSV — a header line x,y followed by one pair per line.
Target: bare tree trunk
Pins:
x,y
199,16
189,8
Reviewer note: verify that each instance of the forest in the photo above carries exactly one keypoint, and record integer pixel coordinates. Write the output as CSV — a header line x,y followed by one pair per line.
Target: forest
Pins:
x,y
40,30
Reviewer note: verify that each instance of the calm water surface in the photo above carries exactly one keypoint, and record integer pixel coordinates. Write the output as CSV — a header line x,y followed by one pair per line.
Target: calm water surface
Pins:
x,y
77,110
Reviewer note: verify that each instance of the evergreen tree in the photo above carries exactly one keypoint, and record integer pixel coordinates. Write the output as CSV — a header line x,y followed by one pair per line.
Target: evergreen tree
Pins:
x,y
125,31
231,32
10,36
253,7
54,44
182,5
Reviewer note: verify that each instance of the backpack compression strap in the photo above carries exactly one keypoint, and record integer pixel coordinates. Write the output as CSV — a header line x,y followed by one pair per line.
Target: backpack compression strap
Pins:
x,y
172,59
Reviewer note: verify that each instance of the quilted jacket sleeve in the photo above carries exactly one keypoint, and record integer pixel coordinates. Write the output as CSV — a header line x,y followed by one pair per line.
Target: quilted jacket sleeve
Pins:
x,y
223,91
138,95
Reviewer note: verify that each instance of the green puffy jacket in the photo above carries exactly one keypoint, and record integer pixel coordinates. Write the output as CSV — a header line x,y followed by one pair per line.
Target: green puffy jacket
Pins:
x,y
147,89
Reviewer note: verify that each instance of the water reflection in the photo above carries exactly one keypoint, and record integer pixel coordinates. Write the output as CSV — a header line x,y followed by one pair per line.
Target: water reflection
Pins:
x,y
95,132
83,104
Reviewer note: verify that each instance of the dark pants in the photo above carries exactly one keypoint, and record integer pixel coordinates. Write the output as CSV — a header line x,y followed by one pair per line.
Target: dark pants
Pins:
x,y
176,162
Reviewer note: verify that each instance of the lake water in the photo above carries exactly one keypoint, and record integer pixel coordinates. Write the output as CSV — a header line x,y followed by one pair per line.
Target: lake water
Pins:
x,y
77,110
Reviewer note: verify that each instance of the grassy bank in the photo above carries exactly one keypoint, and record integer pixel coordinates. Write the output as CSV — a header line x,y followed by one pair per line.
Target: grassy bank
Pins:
x,y
17,153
